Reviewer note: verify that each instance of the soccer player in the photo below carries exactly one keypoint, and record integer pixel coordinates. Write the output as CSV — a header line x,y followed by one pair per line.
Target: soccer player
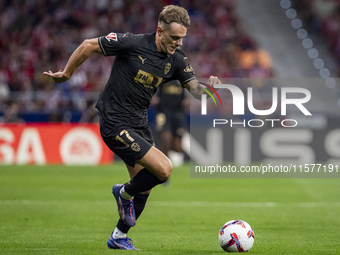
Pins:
x,y
170,103
142,63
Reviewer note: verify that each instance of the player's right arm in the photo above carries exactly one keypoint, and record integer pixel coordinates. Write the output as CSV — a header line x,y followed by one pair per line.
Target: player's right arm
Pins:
x,y
195,87
185,74
85,49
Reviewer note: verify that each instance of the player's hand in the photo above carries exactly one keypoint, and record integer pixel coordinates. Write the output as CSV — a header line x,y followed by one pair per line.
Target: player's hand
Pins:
x,y
213,80
58,77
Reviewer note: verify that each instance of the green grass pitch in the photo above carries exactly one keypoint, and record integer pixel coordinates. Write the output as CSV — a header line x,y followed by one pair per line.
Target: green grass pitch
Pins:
x,y
70,210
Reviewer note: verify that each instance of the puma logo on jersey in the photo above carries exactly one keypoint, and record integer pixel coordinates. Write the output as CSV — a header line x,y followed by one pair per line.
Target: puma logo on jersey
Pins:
x,y
142,59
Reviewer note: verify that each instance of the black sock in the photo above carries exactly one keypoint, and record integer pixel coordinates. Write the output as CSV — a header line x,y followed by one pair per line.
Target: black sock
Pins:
x,y
143,181
122,226
139,204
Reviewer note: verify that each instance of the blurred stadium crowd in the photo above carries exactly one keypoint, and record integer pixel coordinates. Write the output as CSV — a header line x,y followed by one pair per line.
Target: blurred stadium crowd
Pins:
x,y
322,17
40,35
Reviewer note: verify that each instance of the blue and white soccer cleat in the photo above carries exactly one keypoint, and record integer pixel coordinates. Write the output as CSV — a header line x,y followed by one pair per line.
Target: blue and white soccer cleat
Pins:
x,y
126,208
120,243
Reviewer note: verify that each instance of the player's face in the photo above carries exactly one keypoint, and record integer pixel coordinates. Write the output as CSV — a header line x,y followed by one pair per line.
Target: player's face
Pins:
x,y
171,37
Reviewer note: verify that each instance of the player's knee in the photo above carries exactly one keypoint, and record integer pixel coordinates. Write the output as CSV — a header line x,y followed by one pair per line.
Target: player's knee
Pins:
x,y
165,170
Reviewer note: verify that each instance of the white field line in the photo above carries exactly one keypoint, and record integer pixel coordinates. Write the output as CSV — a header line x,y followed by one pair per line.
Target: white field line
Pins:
x,y
170,203
243,204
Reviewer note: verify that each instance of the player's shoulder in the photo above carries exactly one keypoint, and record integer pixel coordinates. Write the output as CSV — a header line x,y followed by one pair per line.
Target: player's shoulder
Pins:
x,y
138,40
132,38
122,43
180,57
180,53
125,38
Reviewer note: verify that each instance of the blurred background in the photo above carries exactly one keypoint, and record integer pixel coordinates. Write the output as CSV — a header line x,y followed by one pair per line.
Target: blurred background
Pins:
x,y
227,38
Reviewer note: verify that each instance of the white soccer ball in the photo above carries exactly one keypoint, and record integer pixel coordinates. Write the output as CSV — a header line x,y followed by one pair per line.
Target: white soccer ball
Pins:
x,y
236,236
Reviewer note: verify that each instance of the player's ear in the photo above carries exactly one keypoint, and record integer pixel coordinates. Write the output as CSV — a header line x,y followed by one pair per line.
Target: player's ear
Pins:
x,y
159,30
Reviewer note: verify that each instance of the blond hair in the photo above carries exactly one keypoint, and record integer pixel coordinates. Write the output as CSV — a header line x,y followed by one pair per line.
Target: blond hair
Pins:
x,y
174,13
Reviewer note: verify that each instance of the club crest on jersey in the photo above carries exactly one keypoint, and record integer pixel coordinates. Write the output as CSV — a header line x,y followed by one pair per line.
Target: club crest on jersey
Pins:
x,y
111,36
167,68
135,147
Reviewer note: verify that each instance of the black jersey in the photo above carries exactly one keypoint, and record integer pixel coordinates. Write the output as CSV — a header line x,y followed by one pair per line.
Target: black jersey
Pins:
x,y
171,96
138,70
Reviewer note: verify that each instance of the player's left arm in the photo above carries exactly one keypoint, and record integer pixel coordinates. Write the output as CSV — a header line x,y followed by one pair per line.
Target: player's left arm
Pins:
x,y
196,88
85,49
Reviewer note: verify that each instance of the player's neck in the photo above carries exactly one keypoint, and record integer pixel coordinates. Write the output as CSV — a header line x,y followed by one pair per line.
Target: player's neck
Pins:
x,y
158,42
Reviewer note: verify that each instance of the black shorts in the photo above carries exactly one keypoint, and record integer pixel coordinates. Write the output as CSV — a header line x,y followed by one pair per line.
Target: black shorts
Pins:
x,y
130,144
